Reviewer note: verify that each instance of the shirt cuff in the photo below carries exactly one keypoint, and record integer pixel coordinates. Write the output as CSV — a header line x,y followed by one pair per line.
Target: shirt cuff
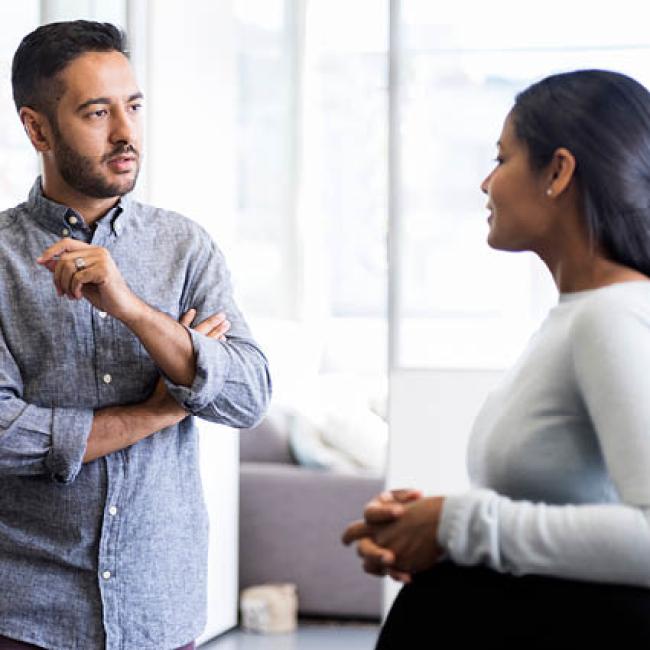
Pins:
x,y
70,431
212,366
451,520
469,528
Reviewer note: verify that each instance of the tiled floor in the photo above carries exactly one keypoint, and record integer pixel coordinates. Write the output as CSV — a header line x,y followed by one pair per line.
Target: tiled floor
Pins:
x,y
309,636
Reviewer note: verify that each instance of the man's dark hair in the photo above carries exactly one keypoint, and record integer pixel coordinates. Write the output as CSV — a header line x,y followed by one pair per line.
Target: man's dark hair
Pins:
x,y
603,119
44,53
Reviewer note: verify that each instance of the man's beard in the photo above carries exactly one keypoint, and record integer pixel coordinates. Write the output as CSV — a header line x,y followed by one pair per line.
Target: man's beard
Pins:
x,y
79,173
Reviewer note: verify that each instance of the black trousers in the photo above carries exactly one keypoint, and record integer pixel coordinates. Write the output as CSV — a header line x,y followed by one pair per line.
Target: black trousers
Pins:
x,y
474,607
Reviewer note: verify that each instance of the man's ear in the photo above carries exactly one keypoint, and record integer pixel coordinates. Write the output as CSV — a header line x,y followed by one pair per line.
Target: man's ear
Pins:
x,y
37,127
560,172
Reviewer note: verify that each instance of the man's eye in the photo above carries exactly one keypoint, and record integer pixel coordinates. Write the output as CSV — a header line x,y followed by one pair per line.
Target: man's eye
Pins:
x,y
135,107
99,113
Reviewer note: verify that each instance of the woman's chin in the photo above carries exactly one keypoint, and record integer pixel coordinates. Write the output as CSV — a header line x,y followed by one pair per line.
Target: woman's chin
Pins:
x,y
500,243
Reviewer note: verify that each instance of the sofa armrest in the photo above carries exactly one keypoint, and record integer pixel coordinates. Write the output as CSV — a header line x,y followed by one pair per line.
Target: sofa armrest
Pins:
x,y
291,521
268,442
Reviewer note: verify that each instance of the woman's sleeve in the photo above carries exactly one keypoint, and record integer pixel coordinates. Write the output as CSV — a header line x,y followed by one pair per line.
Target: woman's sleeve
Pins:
x,y
610,344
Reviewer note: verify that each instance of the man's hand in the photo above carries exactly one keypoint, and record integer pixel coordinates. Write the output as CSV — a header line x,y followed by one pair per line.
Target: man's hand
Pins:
x,y
118,427
214,327
398,535
84,271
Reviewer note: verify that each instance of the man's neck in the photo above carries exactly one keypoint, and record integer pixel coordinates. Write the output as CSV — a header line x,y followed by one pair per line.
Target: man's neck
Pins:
x,y
90,208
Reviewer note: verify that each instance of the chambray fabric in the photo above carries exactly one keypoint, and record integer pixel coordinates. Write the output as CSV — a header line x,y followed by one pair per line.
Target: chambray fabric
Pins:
x,y
109,554
10,644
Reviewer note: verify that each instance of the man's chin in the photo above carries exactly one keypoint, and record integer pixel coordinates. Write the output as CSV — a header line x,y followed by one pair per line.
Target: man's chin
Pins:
x,y
128,185
118,186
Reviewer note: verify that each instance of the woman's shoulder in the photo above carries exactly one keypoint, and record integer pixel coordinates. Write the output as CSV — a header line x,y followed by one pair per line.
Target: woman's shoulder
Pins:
x,y
613,309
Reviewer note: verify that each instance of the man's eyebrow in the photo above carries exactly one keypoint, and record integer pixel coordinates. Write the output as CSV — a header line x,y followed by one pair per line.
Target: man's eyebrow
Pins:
x,y
105,100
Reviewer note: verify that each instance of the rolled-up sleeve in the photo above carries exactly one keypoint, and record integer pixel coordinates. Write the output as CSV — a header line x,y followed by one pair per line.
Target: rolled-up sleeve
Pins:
x,y
232,384
35,439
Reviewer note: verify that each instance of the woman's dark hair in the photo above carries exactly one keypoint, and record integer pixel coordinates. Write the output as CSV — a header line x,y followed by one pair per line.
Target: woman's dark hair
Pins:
x,y
44,53
603,119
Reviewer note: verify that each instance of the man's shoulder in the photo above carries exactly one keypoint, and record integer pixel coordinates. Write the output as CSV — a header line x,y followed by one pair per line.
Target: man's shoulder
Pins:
x,y
9,216
168,219
188,237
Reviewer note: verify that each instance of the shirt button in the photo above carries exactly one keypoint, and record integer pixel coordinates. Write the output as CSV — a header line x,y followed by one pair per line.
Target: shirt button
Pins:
x,y
65,232
107,378
102,314
73,220
112,511
106,575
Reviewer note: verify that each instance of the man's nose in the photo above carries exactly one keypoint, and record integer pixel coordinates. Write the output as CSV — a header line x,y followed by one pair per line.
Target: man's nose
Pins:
x,y
123,128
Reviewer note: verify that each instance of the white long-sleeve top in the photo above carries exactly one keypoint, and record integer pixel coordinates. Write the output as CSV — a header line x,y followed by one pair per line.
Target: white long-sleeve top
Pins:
x,y
560,452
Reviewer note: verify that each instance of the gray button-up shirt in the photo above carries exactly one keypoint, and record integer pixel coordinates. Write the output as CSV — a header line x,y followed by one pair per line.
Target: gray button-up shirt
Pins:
x,y
110,553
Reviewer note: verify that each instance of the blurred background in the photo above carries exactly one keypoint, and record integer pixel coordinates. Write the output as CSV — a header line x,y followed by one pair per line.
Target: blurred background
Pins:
x,y
268,122
334,150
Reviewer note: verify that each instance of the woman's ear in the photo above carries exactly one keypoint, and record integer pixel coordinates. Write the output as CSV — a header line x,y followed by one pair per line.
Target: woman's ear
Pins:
x,y
37,127
560,172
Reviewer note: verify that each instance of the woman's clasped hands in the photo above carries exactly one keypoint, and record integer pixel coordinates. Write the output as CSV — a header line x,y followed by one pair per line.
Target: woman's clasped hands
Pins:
x,y
398,535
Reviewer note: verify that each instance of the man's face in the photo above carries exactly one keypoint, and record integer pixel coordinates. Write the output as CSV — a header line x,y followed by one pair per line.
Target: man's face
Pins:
x,y
97,130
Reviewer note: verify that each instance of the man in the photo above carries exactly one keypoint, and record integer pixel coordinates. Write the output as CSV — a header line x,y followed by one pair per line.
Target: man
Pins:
x,y
103,531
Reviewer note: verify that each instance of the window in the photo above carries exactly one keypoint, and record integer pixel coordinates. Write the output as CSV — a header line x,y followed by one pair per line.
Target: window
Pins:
x,y
267,114
311,220
461,304
18,164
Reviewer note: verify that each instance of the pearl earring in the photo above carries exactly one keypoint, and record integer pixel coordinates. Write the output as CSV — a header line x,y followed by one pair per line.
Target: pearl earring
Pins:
x,y
549,192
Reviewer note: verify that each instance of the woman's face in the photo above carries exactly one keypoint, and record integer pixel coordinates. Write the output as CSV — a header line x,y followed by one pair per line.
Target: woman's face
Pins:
x,y
517,198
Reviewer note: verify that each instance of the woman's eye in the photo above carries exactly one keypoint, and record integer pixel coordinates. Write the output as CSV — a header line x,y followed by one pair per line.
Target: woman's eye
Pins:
x,y
498,160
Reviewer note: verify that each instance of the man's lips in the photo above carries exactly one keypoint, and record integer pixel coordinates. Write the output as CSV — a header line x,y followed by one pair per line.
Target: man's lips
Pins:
x,y
122,163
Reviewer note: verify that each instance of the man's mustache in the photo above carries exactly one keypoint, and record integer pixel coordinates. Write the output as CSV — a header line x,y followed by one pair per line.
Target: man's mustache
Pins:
x,y
122,150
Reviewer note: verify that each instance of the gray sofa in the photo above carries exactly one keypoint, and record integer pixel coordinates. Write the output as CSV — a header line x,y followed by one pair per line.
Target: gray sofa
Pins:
x,y
290,525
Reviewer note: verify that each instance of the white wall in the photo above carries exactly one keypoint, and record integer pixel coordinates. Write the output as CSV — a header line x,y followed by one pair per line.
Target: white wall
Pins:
x,y
220,474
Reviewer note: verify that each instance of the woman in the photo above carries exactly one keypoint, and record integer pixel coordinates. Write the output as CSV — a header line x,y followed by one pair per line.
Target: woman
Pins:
x,y
552,546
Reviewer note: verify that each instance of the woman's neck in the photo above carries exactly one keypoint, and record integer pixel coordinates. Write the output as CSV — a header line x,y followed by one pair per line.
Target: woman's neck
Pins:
x,y
582,268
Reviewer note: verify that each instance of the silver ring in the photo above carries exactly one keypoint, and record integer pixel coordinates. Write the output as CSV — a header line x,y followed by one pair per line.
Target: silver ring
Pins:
x,y
79,263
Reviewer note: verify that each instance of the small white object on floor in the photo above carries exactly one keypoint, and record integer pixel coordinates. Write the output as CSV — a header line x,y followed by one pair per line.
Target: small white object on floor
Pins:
x,y
269,609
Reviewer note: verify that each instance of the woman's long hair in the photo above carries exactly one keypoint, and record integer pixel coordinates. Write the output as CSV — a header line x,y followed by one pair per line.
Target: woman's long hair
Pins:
x,y
603,119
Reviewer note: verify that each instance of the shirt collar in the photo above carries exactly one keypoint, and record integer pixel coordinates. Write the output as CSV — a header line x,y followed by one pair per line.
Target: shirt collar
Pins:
x,y
66,222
